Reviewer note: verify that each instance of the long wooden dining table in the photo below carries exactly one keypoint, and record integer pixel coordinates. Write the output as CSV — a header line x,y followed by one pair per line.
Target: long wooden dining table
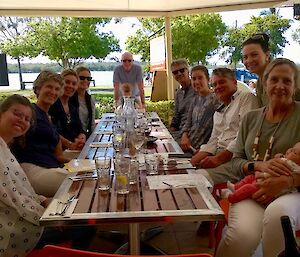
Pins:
x,y
143,204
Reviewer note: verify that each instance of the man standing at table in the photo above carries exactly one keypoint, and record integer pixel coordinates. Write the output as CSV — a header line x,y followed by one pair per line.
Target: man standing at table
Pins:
x,y
215,157
183,97
131,73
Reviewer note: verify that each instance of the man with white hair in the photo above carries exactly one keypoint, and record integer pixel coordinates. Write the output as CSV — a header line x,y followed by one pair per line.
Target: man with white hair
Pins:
x,y
131,73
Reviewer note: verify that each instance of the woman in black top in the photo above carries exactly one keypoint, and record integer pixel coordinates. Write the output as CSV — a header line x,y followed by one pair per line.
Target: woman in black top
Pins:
x,y
84,101
65,116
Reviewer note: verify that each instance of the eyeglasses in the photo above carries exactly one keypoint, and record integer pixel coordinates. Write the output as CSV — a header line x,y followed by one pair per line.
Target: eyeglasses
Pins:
x,y
85,78
22,116
127,60
175,72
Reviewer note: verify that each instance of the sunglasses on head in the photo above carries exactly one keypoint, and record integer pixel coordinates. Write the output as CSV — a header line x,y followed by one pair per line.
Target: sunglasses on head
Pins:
x,y
85,78
127,60
175,72
259,37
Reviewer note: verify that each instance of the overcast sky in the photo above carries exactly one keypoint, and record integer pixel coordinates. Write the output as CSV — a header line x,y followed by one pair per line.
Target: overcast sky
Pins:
x,y
128,27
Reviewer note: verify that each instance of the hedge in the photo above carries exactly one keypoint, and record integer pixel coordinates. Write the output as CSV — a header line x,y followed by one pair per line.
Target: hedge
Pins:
x,y
105,103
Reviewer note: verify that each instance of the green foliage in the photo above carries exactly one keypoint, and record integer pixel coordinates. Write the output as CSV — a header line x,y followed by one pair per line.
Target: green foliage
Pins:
x,y
272,24
104,104
66,40
194,37
296,35
164,109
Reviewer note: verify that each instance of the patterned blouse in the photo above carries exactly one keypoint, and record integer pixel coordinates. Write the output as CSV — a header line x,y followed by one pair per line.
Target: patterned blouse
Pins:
x,y
199,121
20,208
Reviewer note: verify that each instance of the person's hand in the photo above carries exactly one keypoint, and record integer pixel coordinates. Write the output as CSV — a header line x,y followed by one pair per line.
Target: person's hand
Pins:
x,y
210,162
198,157
270,188
185,142
46,202
275,167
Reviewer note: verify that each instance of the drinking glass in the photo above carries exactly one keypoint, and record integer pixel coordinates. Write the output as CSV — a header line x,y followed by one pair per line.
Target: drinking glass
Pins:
x,y
152,162
122,165
133,171
103,165
138,139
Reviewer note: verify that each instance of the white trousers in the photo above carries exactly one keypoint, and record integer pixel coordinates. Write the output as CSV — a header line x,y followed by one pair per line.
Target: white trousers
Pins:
x,y
249,223
45,181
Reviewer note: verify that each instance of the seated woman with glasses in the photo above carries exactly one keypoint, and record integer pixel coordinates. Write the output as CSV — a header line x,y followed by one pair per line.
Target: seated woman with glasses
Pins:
x,y
41,154
84,101
65,116
199,123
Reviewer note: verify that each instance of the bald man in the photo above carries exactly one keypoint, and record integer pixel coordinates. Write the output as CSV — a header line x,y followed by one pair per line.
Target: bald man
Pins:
x,y
131,73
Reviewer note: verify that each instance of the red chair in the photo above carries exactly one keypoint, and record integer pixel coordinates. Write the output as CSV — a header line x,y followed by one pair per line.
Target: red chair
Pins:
x,y
216,227
58,251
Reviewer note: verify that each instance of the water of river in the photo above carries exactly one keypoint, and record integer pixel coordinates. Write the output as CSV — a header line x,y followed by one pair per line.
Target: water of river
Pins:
x,y
102,78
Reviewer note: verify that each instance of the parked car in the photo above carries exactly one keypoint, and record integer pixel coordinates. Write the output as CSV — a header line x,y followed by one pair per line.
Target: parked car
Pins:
x,y
244,75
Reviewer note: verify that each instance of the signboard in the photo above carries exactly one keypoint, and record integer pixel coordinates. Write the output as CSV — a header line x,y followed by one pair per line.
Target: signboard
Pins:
x,y
157,54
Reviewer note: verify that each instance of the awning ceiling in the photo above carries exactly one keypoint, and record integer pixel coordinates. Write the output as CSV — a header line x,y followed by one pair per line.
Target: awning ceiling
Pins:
x,y
129,7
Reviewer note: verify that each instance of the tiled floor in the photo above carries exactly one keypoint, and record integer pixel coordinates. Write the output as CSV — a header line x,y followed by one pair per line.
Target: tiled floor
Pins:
x,y
175,239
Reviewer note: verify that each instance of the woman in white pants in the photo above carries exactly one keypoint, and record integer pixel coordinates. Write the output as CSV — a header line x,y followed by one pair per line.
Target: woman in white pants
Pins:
x,y
263,133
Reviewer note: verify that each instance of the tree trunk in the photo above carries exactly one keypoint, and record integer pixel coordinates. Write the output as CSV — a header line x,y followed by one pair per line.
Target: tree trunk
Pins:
x,y
22,85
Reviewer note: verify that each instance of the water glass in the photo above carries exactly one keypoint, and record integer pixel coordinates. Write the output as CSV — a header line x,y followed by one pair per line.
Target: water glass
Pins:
x,y
103,165
152,162
164,158
133,171
122,166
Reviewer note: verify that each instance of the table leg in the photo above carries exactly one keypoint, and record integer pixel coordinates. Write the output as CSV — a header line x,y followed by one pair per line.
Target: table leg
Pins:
x,y
134,238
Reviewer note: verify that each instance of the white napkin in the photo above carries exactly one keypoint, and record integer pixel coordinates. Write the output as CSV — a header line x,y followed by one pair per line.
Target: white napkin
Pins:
x,y
52,208
104,132
77,165
100,144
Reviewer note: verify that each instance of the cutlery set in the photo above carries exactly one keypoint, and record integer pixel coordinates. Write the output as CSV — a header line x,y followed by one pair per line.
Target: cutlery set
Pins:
x,y
62,207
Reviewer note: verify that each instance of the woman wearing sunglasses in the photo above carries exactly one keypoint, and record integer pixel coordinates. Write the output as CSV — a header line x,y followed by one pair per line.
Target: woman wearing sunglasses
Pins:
x,y
84,101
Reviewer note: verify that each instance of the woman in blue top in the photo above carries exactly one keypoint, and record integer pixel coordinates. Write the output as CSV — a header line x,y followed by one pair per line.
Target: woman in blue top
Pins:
x,y
41,157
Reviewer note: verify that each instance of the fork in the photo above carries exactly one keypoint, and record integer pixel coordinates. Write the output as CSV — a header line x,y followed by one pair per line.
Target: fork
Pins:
x,y
62,207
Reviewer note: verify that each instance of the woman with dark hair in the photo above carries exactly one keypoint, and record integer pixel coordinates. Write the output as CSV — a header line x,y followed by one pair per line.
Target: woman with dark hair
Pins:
x,y
84,101
20,206
256,57
41,157
264,133
65,116
198,126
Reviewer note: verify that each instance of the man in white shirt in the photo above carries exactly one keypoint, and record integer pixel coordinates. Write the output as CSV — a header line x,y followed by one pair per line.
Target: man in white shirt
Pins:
x,y
215,156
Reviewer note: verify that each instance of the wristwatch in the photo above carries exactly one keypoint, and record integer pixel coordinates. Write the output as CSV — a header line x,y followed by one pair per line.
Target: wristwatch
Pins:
x,y
250,167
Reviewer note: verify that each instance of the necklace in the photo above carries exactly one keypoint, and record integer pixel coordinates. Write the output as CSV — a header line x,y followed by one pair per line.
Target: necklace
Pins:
x,y
255,155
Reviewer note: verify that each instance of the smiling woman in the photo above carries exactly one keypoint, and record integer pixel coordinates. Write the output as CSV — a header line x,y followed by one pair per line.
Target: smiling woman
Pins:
x,y
65,116
17,197
40,157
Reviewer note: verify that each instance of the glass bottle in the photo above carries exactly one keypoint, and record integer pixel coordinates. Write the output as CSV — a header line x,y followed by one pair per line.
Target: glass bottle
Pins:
x,y
291,248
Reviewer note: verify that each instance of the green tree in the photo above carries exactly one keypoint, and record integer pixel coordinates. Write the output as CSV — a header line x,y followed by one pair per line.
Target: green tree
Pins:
x,y
296,35
11,29
68,41
270,23
194,37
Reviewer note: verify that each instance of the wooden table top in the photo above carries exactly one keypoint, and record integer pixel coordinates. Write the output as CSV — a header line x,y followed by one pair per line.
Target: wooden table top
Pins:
x,y
142,204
